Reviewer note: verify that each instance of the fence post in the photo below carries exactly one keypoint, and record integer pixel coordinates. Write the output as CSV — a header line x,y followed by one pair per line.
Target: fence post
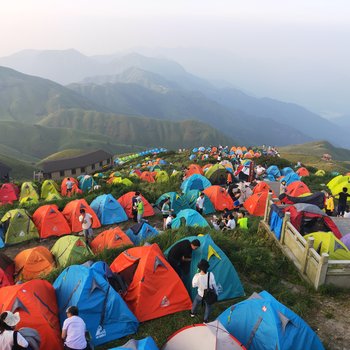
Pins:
x,y
322,271
267,209
309,244
286,219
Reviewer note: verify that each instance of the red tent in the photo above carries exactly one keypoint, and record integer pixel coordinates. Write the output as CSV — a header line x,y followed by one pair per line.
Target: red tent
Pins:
x,y
126,202
36,303
72,212
154,288
8,193
219,197
297,188
256,204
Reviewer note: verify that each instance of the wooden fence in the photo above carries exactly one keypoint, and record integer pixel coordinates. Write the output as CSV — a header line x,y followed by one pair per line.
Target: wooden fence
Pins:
x,y
315,268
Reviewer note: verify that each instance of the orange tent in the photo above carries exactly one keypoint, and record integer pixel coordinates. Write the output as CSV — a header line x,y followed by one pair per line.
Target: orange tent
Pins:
x,y
110,239
297,188
126,202
256,204
154,288
8,193
36,303
75,188
72,212
147,176
219,197
193,169
262,186
303,172
50,221
33,263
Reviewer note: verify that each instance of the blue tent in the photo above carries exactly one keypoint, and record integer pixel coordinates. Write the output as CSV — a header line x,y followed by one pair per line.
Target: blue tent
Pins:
x,y
86,183
262,323
225,274
190,217
192,157
287,170
273,171
291,177
177,203
140,232
143,344
195,182
105,313
192,196
108,210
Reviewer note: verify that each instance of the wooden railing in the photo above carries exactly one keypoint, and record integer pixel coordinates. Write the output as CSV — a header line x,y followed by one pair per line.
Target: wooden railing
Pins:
x,y
315,268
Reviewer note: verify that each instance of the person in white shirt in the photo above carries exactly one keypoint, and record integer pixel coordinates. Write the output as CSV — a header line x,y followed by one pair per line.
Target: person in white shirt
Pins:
x,y
260,170
231,223
200,203
86,224
169,220
73,330
200,281
8,322
69,186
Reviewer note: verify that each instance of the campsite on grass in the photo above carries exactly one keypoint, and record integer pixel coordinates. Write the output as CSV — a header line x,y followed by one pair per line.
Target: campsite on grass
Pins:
x,y
275,242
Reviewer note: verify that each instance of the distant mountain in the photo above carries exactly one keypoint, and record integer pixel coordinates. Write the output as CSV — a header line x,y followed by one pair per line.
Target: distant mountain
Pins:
x,y
343,122
29,99
180,104
145,132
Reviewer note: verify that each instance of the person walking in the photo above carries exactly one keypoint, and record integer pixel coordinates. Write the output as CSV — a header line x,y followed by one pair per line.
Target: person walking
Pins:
x,y
200,281
69,186
73,330
8,335
86,223
343,196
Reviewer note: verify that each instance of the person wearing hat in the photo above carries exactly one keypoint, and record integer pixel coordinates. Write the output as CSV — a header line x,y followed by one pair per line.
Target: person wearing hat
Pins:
x,y
200,281
8,322
73,330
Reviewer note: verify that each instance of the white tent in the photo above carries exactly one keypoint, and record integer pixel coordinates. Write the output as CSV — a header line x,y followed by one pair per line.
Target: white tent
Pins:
x,y
204,336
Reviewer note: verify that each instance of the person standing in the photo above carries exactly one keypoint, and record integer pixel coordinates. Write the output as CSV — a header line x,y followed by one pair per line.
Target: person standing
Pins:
x,y
73,330
180,256
343,196
166,211
200,203
69,185
134,205
140,209
329,204
8,322
200,281
86,223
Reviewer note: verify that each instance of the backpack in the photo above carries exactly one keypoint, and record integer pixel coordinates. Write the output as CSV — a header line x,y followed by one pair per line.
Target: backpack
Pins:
x,y
210,296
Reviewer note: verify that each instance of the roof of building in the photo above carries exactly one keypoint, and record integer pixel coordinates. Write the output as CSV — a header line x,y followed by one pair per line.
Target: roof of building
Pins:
x,y
76,162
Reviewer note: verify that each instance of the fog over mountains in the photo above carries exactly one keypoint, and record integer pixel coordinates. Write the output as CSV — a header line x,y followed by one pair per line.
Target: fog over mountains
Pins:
x,y
107,88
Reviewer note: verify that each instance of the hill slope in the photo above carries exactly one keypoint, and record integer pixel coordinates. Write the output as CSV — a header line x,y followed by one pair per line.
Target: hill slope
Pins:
x,y
146,132
34,142
29,99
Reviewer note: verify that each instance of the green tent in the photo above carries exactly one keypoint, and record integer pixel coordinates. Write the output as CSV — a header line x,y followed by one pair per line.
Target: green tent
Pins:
x,y
337,184
162,176
28,191
320,173
69,250
49,186
18,227
326,242
216,174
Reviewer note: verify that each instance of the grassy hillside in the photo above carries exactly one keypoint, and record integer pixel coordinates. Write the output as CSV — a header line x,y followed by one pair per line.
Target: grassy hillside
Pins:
x,y
311,153
28,98
67,153
141,131
25,141
21,170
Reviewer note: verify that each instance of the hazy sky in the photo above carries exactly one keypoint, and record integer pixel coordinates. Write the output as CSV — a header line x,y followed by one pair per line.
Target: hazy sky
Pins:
x,y
294,50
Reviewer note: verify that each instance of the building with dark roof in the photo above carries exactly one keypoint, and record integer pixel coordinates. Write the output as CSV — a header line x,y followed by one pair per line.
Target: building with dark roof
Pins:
x,y
87,163
4,172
